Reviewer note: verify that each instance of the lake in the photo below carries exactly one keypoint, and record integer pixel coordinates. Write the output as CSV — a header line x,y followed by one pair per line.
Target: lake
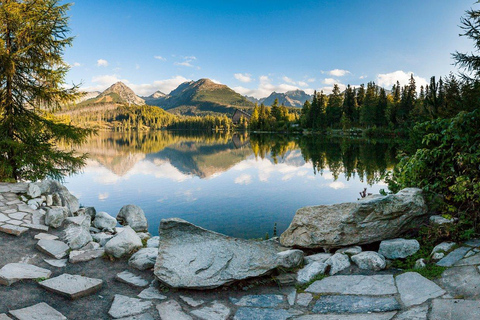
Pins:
x,y
236,184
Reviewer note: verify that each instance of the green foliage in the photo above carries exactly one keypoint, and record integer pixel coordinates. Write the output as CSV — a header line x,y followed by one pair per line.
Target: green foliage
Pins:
x,y
431,271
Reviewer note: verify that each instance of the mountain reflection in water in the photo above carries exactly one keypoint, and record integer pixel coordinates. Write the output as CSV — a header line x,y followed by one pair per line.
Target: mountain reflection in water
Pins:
x,y
239,184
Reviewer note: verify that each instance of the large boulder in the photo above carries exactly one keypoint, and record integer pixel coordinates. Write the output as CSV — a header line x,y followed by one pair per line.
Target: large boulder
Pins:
x,y
55,216
144,258
104,221
133,216
398,248
365,221
192,257
123,243
77,233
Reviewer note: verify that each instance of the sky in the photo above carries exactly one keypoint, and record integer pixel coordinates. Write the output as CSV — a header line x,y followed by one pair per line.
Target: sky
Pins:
x,y
260,46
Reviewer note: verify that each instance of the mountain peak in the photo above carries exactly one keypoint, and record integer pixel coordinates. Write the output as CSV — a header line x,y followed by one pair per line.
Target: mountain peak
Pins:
x,y
124,92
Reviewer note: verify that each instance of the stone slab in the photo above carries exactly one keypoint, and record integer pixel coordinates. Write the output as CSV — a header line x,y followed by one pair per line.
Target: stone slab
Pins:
x,y
461,281
355,284
263,301
72,286
77,256
191,301
123,306
415,289
17,215
144,316
470,261
151,293
38,227
369,316
453,257
54,248
217,311
473,243
454,309
13,229
355,304
415,313
3,316
172,310
40,311
45,236
3,217
131,279
14,272
60,263
304,299
247,313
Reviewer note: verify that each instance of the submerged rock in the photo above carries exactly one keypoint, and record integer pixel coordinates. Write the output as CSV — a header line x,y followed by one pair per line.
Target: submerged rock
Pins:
x,y
362,222
133,216
192,257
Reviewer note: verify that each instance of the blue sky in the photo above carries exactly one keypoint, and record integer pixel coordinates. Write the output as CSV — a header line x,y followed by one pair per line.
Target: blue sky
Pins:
x,y
257,47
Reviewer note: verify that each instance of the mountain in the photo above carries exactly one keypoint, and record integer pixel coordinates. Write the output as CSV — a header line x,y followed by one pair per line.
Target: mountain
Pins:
x,y
201,97
119,92
88,95
294,98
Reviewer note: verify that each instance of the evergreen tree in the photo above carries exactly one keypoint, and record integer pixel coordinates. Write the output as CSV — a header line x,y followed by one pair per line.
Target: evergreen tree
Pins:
x,y
334,107
304,114
33,37
381,109
275,111
350,104
254,119
368,112
470,62
320,119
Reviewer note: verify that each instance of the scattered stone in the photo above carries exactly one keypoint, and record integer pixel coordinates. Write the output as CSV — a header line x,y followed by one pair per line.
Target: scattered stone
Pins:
x,y
102,238
72,286
56,263
77,236
420,264
90,211
13,272
444,246
355,223
131,279
368,316
91,246
151,293
439,220
438,256
469,261
453,257
17,215
455,309
12,229
263,301
144,258
415,289
291,296
398,248
355,284
369,260
338,262
123,243
217,311
304,299
3,316
192,302
310,271
415,313
49,200
319,257
77,256
153,242
355,304
133,216
172,310
45,236
37,227
123,306
40,311
473,243
350,250
286,278
144,236
55,216
54,248
104,221
94,230
33,190
211,259
461,281
264,314
79,221
144,316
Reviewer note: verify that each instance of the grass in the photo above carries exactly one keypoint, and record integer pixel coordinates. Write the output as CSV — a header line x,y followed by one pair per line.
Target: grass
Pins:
x,y
301,287
431,271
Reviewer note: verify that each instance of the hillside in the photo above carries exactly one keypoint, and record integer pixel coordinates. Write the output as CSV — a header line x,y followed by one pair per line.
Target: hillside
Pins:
x,y
295,98
118,93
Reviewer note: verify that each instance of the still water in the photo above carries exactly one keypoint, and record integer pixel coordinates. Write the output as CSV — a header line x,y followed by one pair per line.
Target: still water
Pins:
x,y
239,185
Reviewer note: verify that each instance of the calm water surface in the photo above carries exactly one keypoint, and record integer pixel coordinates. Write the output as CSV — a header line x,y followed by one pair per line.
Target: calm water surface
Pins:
x,y
238,185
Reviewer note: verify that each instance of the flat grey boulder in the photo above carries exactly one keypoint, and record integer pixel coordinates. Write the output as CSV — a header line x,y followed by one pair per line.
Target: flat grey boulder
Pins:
x,y
461,281
369,260
133,216
153,242
54,248
172,310
151,293
362,222
249,313
310,271
123,306
143,259
57,263
14,272
398,248
72,286
453,257
217,311
376,285
123,243
319,257
358,316
77,236
55,216
414,313
192,257
104,221
102,238
261,300
76,256
131,279
40,311
455,309
415,289
338,262
355,304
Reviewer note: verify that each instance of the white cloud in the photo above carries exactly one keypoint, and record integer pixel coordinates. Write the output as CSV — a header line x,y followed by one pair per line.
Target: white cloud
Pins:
x,y
160,58
288,80
187,62
338,72
387,80
102,63
330,81
302,84
75,64
215,81
243,77
103,196
362,77
311,80
266,87
243,179
337,185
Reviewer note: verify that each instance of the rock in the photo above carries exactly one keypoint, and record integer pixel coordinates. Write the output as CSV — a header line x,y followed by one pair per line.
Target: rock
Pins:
x,y
77,256
304,299
369,260
13,272
144,258
144,236
33,190
55,216
3,316
83,221
356,223
264,314
77,236
420,264
469,260
398,248
310,271
40,311
153,242
453,257
292,296
123,306
104,221
263,301
131,279
60,263
72,286
415,313
319,257
338,262
102,238
350,250
461,281
355,284
151,293
192,302
45,236
443,247
91,246
358,316
133,216
13,229
217,311
355,304
90,211
54,248
473,243
172,310
123,243
415,289
49,200
455,309
60,195
192,257
438,256
439,220
143,316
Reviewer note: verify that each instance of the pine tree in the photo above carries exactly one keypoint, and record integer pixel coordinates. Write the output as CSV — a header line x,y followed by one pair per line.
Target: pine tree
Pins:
x,y
350,104
275,111
334,107
368,112
470,62
33,37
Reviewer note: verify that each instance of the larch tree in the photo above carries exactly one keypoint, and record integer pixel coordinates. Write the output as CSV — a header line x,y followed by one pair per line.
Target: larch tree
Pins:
x,y
33,37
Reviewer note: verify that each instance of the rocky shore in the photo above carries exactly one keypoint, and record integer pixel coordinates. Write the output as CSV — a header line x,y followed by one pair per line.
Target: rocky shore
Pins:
x,y
60,261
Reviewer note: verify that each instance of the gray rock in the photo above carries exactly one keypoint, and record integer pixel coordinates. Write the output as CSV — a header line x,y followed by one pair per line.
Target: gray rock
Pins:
x,y
153,242
151,293
217,311
144,316
461,281
3,316
415,313
133,216
263,301
77,236
310,271
443,247
355,284
123,306
13,229
144,236
319,257
33,190
131,279
355,304
398,248
211,259
102,238
172,310
72,286
369,260
248,313
438,256
83,220
76,256
40,311
123,243
192,302
473,243
90,211
455,309
13,272
453,257
439,220
104,221
350,250
469,260
55,216
368,316
420,264
56,249
45,236
291,296
61,263
355,223
304,299
338,262
91,246
143,259
415,289
469,254
49,200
